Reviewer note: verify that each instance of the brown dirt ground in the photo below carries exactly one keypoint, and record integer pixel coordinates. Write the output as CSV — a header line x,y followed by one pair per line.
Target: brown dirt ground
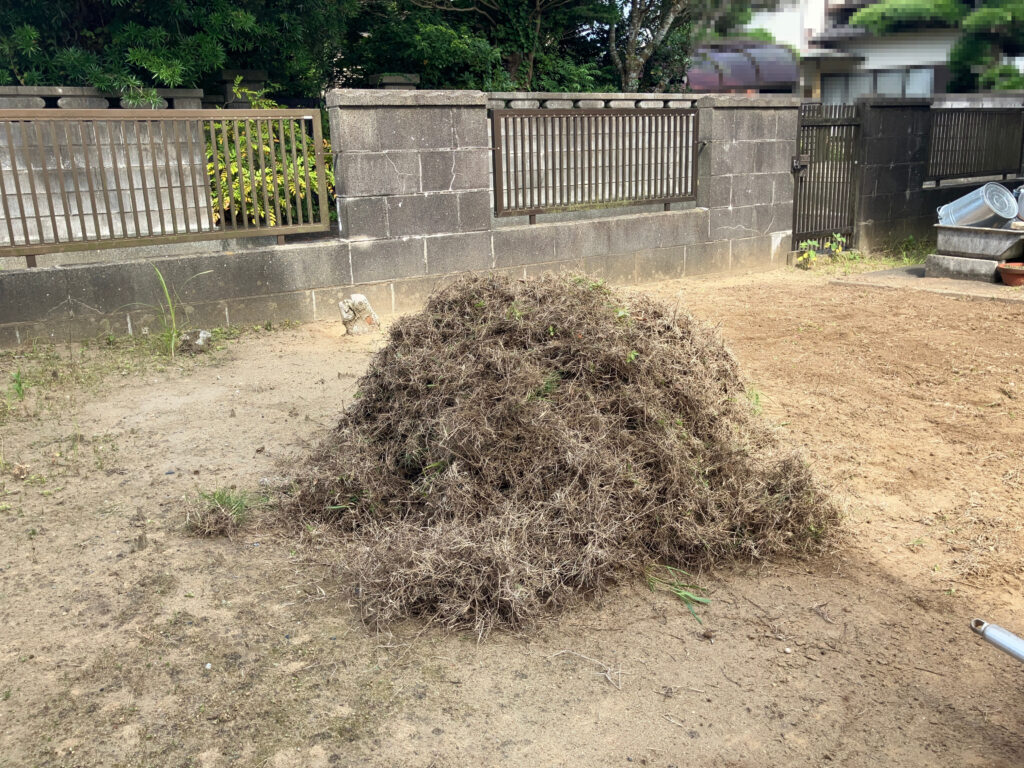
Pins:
x,y
126,642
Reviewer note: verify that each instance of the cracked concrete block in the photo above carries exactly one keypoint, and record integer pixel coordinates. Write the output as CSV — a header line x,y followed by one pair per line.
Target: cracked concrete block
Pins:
x,y
368,174
728,223
454,170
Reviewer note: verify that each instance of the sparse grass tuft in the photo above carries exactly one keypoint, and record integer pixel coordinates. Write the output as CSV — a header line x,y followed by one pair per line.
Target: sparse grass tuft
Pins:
x,y
220,512
677,581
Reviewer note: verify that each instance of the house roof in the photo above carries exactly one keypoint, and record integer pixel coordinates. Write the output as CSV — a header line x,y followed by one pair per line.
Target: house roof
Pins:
x,y
742,65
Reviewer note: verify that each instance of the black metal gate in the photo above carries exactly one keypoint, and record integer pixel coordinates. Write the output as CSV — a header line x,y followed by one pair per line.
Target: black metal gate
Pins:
x,y
825,197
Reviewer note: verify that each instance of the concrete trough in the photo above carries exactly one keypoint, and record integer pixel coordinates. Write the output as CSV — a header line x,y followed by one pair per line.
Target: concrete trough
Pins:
x,y
979,242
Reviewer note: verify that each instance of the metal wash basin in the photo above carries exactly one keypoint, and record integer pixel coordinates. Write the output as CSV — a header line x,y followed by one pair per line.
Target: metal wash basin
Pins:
x,y
979,242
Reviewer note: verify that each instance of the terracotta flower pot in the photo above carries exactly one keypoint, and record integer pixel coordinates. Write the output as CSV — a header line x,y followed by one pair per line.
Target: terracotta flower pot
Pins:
x,y
1011,272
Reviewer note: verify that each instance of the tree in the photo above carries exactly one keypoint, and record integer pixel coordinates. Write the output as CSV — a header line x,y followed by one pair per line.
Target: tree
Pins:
x,y
990,31
891,16
491,44
663,32
517,24
130,47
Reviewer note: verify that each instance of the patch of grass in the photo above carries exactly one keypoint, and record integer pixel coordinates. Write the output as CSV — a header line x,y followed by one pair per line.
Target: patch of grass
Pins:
x,y
909,250
551,382
677,581
754,396
834,258
170,313
18,384
220,512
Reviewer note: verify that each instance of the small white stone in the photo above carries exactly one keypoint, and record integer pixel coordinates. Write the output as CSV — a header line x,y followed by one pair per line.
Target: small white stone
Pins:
x,y
789,650
209,665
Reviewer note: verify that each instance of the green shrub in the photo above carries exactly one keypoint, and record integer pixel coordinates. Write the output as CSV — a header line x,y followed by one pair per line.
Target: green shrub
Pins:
x,y
262,170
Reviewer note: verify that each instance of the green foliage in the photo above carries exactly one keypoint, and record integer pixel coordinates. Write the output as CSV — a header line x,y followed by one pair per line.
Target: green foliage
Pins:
x,y
18,384
833,248
170,313
677,581
119,46
513,45
808,254
990,32
241,187
994,19
896,15
131,47
669,63
1002,77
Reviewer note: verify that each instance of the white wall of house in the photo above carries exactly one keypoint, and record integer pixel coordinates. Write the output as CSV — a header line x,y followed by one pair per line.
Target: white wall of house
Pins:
x,y
793,23
906,49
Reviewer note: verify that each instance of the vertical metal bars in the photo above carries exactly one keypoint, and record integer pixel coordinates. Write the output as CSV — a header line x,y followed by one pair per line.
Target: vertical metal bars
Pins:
x,y
549,160
978,141
826,186
87,179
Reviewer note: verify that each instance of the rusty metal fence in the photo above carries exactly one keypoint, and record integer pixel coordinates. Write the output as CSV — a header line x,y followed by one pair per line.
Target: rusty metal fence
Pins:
x,y
94,179
549,160
972,142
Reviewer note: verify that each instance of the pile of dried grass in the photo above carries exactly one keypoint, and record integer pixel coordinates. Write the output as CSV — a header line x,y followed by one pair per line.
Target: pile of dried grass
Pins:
x,y
520,443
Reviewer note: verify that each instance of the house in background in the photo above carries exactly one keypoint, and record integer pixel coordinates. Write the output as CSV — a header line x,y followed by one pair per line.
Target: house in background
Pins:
x,y
840,62
736,65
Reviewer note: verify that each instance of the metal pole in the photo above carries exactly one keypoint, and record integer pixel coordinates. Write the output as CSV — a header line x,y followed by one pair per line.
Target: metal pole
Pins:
x,y
1003,639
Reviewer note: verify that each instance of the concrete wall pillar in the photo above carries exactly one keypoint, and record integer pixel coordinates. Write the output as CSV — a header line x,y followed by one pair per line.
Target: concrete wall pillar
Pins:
x,y
412,171
891,201
745,175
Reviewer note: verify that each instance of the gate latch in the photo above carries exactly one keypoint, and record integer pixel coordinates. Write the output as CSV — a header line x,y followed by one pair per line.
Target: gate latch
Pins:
x,y
800,162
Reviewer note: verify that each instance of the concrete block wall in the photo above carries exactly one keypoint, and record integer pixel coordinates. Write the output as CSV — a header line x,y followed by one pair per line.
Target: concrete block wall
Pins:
x,y
892,202
745,177
413,174
413,170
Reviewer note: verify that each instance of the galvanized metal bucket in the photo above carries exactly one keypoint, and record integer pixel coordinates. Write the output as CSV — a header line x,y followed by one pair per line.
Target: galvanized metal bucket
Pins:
x,y
991,205
1019,194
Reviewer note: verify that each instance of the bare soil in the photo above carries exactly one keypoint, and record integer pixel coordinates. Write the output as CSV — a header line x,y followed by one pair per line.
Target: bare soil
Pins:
x,y
126,642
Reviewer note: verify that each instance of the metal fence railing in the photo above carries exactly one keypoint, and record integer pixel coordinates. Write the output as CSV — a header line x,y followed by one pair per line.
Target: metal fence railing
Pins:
x,y
548,160
93,179
972,142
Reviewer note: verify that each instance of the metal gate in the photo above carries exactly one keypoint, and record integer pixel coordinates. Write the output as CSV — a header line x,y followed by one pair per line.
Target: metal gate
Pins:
x,y
825,197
